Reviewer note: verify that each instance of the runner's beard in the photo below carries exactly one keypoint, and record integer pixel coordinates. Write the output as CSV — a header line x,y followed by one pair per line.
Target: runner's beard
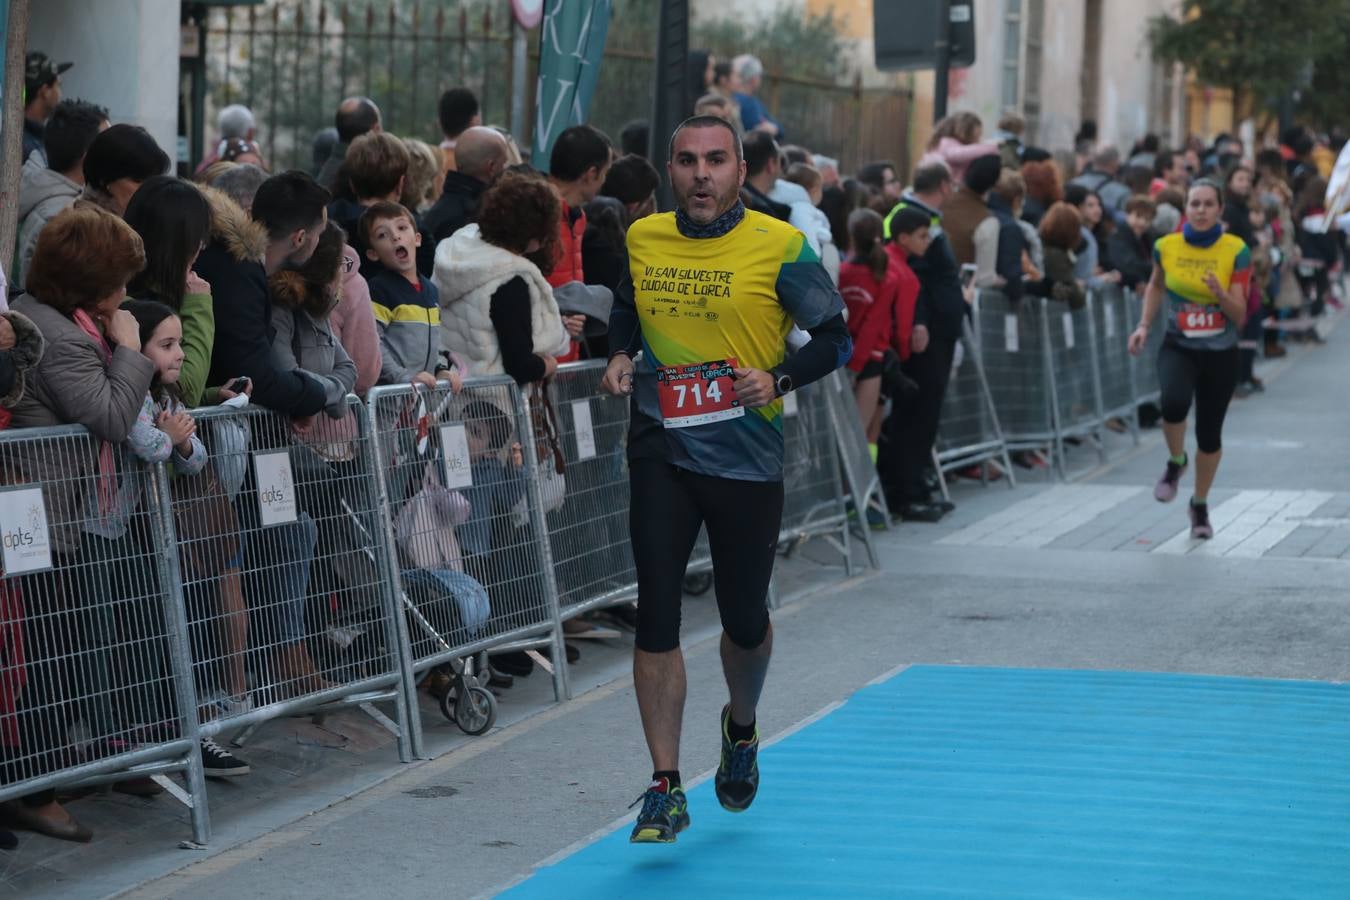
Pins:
x,y
721,202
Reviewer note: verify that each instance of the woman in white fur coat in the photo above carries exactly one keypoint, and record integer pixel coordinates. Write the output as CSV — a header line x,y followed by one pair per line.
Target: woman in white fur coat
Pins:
x,y
497,311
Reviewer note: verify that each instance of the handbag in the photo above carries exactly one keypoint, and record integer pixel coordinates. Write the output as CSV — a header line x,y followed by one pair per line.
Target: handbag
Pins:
x,y
544,422
206,524
552,479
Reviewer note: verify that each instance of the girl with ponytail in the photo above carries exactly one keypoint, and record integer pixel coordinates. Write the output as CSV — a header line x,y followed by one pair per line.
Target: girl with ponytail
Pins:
x,y
879,291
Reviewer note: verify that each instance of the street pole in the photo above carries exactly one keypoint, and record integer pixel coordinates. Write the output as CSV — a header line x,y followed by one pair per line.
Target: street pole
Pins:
x,y
942,69
11,145
672,58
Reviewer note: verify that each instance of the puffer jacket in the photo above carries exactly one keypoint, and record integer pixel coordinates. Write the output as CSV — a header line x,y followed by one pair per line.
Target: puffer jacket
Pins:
x,y
568,265
72,384
42,194
303,339
469,270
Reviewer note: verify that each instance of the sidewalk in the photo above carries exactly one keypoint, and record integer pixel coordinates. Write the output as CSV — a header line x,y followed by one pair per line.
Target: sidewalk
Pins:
x,y
330,810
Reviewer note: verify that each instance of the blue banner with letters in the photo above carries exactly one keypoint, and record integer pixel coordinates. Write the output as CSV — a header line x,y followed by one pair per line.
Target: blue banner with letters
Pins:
x,y
571,49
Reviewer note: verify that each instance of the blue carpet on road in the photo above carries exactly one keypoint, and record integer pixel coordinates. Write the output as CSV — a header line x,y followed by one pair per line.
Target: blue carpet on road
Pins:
x,y
978,782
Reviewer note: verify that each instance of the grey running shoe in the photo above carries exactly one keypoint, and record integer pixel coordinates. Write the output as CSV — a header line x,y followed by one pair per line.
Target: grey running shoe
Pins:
x,y
1165,491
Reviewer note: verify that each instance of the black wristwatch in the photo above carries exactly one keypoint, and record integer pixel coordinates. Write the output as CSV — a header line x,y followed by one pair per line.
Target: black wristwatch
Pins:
x,y
782,383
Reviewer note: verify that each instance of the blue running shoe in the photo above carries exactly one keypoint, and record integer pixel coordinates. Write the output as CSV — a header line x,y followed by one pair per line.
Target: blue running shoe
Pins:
x,y
664,814
737,779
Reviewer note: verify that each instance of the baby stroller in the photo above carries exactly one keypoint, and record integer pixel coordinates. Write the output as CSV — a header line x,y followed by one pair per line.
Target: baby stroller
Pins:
x,y
435,600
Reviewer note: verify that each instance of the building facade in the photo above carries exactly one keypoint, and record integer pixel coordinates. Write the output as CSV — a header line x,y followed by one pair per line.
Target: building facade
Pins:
x,y
125,54
1053,62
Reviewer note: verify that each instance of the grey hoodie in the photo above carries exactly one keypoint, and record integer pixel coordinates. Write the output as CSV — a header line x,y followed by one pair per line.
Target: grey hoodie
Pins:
x,y
42,194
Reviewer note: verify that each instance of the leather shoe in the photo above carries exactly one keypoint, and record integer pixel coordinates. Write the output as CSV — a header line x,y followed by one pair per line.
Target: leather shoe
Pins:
x,y
138,787
29,819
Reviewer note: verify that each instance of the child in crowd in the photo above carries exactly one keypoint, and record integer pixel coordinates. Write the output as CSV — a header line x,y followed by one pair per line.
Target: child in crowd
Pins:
x,y
1132,246
880,292
807,217
497,485
164,430
496,551
407,305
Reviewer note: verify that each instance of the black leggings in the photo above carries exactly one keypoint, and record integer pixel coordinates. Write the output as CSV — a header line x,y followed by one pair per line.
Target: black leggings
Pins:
x,y
743,518
1207,375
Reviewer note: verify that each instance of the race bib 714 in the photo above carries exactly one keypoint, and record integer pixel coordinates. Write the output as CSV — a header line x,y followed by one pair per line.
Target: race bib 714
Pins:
x,y
698,394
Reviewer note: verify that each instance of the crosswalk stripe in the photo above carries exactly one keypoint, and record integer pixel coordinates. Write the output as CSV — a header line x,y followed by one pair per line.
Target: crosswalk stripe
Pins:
x,y
1040,520
1249,524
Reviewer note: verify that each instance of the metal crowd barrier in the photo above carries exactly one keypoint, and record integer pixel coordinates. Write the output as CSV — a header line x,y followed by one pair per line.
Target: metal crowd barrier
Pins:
x,y
860,475
465,492
969,431
1014,349
588,532
310,568
95,679
1071,342
1111,318
1053,374
283,571
813,495
1145,365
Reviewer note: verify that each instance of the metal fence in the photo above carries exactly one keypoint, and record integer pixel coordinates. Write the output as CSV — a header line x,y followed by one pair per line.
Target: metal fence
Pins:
x,y
1111,317
588,531
1145,365
969,431
1055,376
1073,348
1014,353
292,62
860,477
145,609
813,494
95,683
465,493
283,572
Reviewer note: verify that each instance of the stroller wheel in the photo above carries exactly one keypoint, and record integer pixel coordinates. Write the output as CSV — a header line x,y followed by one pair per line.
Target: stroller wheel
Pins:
x,y
696,584
476,711
450,698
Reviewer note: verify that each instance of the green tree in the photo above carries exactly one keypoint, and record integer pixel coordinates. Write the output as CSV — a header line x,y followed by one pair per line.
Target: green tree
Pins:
x,y
1257,48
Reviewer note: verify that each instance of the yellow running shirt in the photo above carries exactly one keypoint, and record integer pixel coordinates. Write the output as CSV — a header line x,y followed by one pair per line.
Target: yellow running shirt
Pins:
x,y
1194,318
708,299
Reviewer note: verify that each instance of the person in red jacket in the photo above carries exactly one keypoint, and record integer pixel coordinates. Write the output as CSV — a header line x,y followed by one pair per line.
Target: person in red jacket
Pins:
x,y
577,166
880,291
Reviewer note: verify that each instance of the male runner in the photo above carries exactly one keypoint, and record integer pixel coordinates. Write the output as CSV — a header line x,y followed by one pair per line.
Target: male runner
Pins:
x,y
715,290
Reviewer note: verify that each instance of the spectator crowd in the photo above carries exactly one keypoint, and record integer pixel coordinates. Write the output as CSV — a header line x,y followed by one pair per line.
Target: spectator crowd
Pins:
x,y
137,296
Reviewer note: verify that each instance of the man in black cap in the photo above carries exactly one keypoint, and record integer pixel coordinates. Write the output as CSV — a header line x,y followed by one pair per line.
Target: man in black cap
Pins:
x,y
42,91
